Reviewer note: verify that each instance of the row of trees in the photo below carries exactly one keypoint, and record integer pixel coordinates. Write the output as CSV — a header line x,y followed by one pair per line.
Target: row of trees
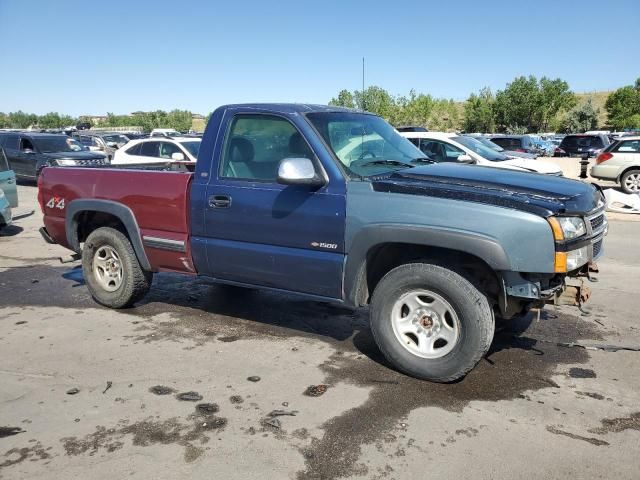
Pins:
x,y
177,119
21,119
414,109
524,105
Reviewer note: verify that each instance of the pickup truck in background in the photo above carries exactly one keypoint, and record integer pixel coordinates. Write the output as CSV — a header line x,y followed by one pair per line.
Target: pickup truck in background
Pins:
x,y
335,205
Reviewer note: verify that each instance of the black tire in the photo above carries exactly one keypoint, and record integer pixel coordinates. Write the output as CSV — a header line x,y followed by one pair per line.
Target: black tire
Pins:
x,y
135,281
624,179
476,319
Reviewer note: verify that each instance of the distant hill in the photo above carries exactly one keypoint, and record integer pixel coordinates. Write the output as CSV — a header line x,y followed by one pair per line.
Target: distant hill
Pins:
x,y
599,99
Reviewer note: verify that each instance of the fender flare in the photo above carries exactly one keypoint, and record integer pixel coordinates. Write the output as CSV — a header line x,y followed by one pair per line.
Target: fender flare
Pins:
x,y
122,212
478,245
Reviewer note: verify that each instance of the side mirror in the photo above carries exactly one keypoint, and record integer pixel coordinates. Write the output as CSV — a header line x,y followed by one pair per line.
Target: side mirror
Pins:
x,y
28,151
112,145
464,158
299,171
177,156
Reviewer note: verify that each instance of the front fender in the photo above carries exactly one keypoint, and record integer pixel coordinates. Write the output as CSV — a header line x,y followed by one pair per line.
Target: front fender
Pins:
x,y
371,236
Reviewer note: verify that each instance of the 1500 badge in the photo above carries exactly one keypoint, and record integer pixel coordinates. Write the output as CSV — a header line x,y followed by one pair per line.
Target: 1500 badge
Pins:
x,y
331,246
56,202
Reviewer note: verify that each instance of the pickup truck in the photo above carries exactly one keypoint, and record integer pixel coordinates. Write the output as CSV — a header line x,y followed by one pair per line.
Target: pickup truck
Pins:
x,y
285,197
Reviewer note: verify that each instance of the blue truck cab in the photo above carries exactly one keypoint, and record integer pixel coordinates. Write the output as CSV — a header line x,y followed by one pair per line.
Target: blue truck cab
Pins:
x,y
335,205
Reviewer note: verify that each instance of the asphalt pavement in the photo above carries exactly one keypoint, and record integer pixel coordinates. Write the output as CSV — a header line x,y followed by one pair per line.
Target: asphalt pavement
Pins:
x,y
204,381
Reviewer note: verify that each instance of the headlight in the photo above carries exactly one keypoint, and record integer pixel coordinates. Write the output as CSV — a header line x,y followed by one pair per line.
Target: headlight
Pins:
x,y
569,261
567,228
66,162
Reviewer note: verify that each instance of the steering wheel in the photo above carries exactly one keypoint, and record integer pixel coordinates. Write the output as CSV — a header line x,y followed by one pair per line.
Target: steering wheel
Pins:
x,y
366,154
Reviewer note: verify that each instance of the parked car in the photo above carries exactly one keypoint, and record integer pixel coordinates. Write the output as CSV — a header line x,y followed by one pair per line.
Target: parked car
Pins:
x,y
620,163
517,143
6,216
509,153
164,132
154,150
104,142
8,180
8,191
411,128
29,153
435,249
451,147
582,144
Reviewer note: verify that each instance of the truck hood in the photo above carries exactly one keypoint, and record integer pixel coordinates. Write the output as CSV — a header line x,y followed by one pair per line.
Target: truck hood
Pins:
x,y
542,195
84,155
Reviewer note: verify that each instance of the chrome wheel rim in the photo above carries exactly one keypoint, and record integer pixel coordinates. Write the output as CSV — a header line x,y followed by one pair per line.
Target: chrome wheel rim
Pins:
x,y
632,182
425,324
107,268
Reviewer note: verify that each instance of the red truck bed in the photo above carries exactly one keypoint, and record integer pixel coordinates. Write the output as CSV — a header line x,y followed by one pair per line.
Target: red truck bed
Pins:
x,y
159,201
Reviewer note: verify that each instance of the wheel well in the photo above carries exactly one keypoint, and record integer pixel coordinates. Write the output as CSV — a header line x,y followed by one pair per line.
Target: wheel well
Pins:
x,y
628,169
88,221
381,259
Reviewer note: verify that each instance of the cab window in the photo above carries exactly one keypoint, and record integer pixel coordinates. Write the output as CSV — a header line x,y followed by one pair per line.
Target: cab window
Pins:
x,y
256,144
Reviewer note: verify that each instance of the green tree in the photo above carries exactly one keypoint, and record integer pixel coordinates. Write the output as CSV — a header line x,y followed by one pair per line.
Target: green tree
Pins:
x,y
623,105
21,119
519,105
412,110
345,99
375,100
582,117
479,113
179,120
555,97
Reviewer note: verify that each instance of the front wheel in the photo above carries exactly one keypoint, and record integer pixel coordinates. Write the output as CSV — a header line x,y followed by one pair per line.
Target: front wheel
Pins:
x,y
430,322
111,269
630,181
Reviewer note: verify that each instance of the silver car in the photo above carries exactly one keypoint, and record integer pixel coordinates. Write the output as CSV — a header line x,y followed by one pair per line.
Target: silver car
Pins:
x,y
620,163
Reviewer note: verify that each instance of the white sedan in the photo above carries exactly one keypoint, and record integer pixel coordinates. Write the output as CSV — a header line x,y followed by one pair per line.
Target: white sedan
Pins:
x,y
451,147
156,150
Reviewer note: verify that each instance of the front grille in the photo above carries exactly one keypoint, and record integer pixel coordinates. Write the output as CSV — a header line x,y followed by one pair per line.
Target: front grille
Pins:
x,y
90,163
597,222
597,246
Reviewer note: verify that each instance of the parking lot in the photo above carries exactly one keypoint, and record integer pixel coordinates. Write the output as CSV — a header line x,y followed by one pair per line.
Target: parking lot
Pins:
x,y
90,392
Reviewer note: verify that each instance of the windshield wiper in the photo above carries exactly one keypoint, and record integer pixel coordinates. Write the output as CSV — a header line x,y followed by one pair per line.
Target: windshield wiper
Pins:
x,y
397,163
423,160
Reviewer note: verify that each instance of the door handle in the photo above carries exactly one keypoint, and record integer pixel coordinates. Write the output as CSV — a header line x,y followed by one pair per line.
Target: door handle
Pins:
x,y
219,201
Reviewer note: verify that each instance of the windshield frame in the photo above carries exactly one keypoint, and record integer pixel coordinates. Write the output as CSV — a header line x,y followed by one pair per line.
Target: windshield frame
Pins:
x,y
347,172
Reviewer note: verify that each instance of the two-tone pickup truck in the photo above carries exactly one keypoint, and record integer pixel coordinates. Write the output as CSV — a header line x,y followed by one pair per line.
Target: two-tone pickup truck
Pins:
x,y
335,205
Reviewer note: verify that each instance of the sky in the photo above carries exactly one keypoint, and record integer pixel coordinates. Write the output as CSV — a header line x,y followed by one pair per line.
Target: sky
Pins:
x,y
91,57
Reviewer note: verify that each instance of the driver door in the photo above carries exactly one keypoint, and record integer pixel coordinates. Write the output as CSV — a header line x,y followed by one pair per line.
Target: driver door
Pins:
x,y
263,233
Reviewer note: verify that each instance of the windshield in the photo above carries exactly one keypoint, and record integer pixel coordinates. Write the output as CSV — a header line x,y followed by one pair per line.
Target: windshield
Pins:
x,y
58,144
119,139
366,145
193,147
488,143
480,149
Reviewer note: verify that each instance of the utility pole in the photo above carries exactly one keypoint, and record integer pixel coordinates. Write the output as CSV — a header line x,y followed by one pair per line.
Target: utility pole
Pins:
x,y
363,106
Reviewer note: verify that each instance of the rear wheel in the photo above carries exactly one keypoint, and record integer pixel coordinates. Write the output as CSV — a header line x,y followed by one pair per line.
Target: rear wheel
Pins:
x,y
111,269
630,181
430,322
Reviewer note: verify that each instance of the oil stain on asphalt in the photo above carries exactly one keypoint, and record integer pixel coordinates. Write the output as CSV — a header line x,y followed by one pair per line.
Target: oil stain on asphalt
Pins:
x,y
517,361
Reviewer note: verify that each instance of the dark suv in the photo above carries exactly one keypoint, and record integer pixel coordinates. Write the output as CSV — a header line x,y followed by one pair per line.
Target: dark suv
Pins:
x,y
105,142
28,153
516,143
579,145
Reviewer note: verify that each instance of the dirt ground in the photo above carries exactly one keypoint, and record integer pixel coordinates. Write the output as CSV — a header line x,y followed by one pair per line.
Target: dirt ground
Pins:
x,y
88,392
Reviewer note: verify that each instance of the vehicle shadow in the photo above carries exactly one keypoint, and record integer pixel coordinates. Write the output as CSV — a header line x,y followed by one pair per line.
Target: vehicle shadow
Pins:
x,y
11,231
